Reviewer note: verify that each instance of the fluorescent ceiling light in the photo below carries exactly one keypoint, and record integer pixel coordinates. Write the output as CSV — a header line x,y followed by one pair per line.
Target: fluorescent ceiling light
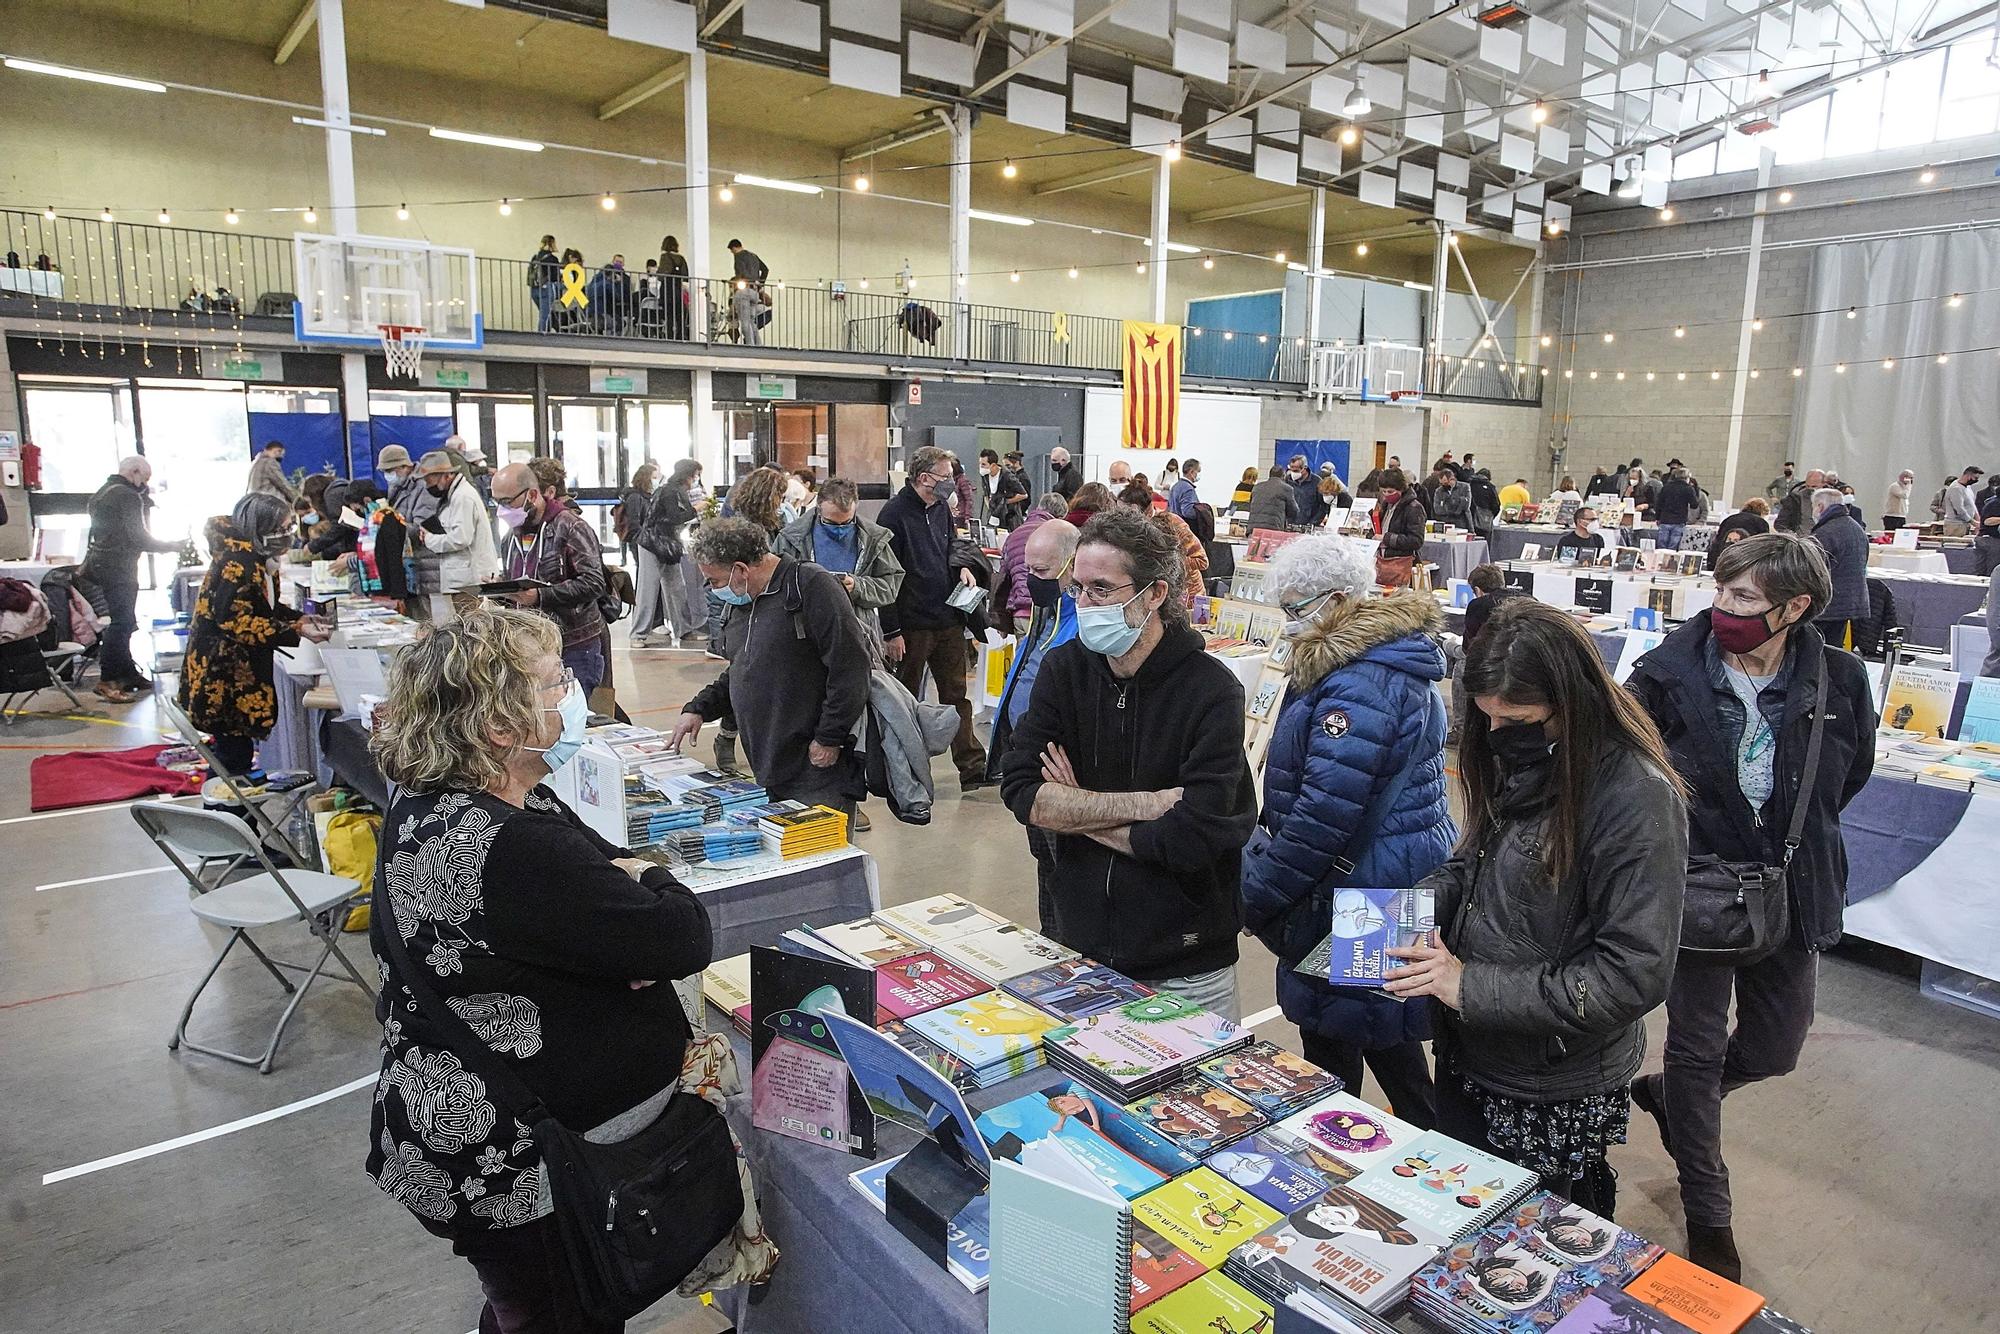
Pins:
x,y
1010,219
87,75
318,124
768,183
1416,287
490,140
1178,247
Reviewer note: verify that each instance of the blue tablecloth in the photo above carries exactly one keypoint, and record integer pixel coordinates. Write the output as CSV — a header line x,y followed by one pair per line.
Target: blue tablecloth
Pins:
x,y
1892,828
1928,608
1961,560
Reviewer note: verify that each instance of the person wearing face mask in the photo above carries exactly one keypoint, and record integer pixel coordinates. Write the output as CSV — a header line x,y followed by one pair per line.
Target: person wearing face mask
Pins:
x,y
1130,757
119,535
797,679
1560,910
408,496
1046,564
1583,541
1896,506
1012,592
557,948
226,683
1733,692
453,548
1399,517
556,546
854,551
1354,795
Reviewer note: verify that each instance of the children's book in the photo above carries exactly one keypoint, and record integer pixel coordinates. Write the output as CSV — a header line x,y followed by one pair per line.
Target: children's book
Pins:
x,y
799,1084
1530,1267
1606,1310
900,1087
1269,1078
1211,1304
1350,1130
984,1030
1143,1045
1062,1253
866,941
1199,1116
1343,1245
1204,1214
1572,1236
968,1238
1704,1302
1273,1177
726,985
961,1075
1075,988
1449,1187
919,982
1004,952
1158,1267
1367,923
1117,1148
937,919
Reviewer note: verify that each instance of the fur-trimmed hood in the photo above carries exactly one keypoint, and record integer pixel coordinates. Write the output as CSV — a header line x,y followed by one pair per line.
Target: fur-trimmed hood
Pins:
x,y
1367,626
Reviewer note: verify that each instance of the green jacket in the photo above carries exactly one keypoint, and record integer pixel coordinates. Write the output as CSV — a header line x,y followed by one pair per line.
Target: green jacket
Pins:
x,y
878,575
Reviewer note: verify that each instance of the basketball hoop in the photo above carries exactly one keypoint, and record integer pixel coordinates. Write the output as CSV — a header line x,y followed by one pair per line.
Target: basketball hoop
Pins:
x,y
403,348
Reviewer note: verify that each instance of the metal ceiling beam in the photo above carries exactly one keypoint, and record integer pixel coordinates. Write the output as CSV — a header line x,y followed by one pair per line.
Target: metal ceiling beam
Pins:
x,y
302,24
651,86
940,123
1101,176
1249,210
1055,44
720,17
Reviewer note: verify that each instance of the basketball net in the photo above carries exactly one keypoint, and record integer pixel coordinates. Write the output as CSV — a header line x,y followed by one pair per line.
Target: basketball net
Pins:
x,y
403,348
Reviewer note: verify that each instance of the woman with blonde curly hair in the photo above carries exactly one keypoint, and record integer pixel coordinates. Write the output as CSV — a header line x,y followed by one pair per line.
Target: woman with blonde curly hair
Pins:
x,y
540,935
758,498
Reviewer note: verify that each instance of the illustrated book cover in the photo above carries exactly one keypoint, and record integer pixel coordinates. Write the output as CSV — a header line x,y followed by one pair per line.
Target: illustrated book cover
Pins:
x,y
1075,989
1199,1116
799,1085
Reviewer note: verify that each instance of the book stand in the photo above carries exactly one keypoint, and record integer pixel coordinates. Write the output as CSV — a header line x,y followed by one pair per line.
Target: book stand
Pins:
x,y
929,1188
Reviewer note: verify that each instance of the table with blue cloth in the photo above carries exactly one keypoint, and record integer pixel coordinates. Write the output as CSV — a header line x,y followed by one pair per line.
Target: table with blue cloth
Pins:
x,y
1961,560
1928,606
1454,559
1920,872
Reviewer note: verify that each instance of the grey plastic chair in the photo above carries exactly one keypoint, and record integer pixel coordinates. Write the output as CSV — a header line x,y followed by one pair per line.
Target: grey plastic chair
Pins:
x,y
240,791
191,838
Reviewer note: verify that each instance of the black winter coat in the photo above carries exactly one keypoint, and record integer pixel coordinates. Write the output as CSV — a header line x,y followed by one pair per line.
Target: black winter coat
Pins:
x,y
1559,978
1403,529
1170,909
1677,498
920,535
1676,684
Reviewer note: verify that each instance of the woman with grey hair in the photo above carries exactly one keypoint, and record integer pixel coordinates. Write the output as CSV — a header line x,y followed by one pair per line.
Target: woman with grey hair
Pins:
x,y
226,684
664,584
1354,798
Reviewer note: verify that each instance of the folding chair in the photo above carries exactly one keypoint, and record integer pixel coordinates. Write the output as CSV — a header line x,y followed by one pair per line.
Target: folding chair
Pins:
x,y
26,669
271,898
267,828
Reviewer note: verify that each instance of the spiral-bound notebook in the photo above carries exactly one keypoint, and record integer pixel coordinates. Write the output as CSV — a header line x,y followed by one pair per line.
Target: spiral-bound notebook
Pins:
x,y
1450,1188
1062,1252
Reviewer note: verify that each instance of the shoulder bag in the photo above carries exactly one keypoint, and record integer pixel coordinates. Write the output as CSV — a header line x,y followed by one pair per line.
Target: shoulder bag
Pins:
x,y
1736,913
636,1216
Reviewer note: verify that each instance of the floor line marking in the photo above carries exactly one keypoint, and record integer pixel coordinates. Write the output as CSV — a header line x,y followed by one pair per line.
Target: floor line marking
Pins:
x,y
89,810
213,1132
99,879
1261,1016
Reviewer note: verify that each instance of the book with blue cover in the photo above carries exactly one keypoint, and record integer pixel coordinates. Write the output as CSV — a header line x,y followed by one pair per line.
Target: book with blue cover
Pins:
x,y
1061,1254
1982,711
1260,1167
902,1088
968,1238
1075,989
1366,924
1118,1148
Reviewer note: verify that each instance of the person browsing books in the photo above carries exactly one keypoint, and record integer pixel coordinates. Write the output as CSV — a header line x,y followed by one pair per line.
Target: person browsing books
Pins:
x,y
1354,795
1131,757
550,542
1581,539
1732,693
1560,910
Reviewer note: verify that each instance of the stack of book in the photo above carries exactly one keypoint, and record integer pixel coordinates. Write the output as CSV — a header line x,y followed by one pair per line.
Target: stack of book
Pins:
x,y
804,833
1340,1137
1075,989
1343,1247
1184,1230
939,919
993,1036
726,985
1701,1301
1270,1078
919,983
748,817
1001,953
676,776
1142,1046
718,799
1529,1267
864,943
1065,1128
712,845
651,820
1198,1116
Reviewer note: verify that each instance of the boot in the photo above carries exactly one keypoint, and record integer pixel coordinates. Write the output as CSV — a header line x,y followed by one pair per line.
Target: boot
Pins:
x,y
725,751
1714,1249
1649,1095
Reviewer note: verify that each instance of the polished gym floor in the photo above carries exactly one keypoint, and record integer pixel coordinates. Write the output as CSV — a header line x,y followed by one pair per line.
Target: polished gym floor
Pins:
x,y
147,1191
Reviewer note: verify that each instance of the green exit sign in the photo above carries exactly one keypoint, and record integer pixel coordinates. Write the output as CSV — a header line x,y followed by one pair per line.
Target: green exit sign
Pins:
x,y
242,368
618,384
452,377
774,386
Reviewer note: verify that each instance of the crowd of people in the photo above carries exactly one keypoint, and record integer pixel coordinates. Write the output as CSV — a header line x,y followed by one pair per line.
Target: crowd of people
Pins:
x,y
656,300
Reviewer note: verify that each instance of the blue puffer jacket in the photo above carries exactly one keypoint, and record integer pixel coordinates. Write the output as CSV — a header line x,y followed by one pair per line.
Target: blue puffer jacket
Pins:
x,y
1363,703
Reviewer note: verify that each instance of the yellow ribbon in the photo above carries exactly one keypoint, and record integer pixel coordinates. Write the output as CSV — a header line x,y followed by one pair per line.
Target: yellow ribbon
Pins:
x,y
1058,328
572,293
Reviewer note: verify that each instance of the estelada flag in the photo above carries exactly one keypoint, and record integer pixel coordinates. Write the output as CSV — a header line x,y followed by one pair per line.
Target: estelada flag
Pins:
x,y
1152,385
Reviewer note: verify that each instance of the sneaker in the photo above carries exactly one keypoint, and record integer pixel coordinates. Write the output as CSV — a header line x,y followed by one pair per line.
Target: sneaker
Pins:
x,y
859,825
711,653
116,694
138,684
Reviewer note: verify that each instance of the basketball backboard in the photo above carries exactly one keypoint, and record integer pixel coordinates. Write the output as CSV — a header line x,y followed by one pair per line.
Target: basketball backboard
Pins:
x,y
350,287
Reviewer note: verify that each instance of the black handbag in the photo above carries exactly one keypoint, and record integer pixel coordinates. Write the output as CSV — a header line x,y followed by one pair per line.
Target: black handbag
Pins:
x,y
1736,913
635,1216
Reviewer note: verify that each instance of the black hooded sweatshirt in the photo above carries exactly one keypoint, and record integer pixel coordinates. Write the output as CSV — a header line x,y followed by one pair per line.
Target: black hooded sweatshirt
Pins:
x,y
1172,909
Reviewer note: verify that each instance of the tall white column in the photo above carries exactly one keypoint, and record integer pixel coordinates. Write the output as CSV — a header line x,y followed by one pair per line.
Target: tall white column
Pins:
x,y
701,405
340,201
1765,159
1162,188
1440,280
959,223
1315,263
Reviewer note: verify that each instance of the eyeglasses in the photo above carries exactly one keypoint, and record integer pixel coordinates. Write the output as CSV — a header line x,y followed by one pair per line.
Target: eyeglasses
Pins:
x,y
508,502
562,683
935,477
1297,610
1097,595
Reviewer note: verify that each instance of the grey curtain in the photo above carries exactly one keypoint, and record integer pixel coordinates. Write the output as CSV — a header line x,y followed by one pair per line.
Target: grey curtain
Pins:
x,y
1868,424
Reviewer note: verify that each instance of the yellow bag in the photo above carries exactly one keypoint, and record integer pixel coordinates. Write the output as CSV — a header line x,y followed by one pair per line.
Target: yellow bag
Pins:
x,y
349,847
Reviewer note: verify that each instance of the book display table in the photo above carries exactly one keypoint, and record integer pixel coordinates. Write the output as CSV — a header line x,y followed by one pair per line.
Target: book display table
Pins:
x,y
1454,559
1920,872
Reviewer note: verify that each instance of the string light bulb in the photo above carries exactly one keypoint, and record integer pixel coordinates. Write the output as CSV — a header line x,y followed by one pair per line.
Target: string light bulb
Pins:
x,y
1072,272
1715,375
1349,136
1173,153
1539,113
1784,196
1757,325
1141,266
1680,375
1555,228
1840,368
165,217
1755,373
1569,375
863,284
1649,375
1611,338
1279,257
50,213
1927,175
232,217
1955,301
861,184
1010,171
1361,249
311,214
1014,277
1797,371
105,216
506,209
1852,312
402,213
1942,358
1680,331
1621,375
1667,214
1593,375
1888,363
609,202
1453,240
1208,261
725,194
1548,340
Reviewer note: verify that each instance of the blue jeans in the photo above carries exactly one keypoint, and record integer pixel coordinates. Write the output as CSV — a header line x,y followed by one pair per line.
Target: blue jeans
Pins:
x,y
587,662
717,609
1669,538
545,304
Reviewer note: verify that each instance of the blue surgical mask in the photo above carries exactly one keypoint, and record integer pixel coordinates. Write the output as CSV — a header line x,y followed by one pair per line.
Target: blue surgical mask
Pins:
x,y
1105,630
839,530
575,711
731,596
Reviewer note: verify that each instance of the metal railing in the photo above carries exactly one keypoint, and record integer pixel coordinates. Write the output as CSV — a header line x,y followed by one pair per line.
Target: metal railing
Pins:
x,y
206,276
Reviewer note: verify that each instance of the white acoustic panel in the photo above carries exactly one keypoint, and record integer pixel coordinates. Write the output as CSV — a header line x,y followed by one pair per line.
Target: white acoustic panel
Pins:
x,y
1453,171
1051,61
1669,112
1659,161
872,70
1057,18
1774,37
1425,79
1696,8
1160,91
1260,48
1395,13
1100,99
1449,207
1596,178
1141,16
1277,121
1596,138
1552,142
1634,78
941,59
1548,40
1497,203
1377,188
786,22
1216,14
1600,88
1153,134
1527,226
1317,42
1383,86
1327,94
1653,192
1602,39
1413,178
1669,70
1201,56
871,18
1319,155
1424,126
1556,211
1516,153
1036,108
1230,133
1531,195
1280,166
1500,48
667,24
1479,124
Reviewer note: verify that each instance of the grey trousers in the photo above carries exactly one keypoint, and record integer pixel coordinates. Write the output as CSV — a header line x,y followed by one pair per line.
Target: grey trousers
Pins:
x,y
1706,1061
662,594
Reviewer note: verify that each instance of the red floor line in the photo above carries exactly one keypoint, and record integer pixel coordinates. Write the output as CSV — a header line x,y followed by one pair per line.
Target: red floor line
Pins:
x,y
85,991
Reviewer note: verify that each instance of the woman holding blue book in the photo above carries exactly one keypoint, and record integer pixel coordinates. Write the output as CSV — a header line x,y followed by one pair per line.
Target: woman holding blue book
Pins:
x,y
1559,915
